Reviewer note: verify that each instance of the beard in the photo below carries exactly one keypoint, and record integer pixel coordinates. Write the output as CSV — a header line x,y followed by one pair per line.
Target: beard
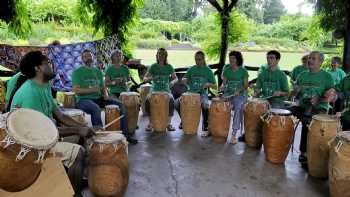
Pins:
x,y
48,76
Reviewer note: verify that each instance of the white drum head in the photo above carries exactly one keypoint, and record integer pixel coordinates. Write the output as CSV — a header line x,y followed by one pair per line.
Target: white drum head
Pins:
x,y
190,94
130,94
112,107
69,93
109,138
344,136
145,86
32,129
73,112
282,112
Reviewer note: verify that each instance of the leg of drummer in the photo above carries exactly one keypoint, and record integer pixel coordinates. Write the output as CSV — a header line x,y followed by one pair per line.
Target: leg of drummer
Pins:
x,y
90,107
148,112
205,111
75,172
177,107
237,102
171,113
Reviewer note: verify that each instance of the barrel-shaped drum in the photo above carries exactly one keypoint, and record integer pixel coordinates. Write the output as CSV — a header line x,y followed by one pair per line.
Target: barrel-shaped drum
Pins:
x,y
69,100
190,110
108,171
253,124
131,101
112,112
339,168
159,109
278,132
144,91
25,137
219,118
322,129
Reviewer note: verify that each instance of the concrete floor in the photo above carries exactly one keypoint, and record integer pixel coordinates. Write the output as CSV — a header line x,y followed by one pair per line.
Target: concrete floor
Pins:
x,y
177,165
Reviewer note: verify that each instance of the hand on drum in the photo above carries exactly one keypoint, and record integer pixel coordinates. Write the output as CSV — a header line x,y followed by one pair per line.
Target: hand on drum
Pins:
x,y
86,132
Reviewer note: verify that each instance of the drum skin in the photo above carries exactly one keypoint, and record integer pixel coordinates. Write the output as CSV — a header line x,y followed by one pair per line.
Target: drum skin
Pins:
x,y
69,100
219,118
15,175
278,132
131,101
253,124
112,112
108,169
144,91
190,111
322,129
339,169
159,108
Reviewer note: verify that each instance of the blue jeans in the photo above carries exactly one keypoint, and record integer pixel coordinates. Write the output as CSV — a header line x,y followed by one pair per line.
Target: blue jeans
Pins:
x,y
238,105
93,107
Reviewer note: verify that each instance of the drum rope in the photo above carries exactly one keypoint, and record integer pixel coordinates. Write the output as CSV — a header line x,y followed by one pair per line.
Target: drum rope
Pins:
x,y
8,141
339,145
41,155
22,153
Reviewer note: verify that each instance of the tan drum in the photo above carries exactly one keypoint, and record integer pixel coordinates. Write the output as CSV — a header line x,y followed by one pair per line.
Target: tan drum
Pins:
x,y
144,91
219,118
322,129
159,109
25,137
278,132
339,168
76,114
69,100
2,92
190,110
111,113
108,173
131,101
253,124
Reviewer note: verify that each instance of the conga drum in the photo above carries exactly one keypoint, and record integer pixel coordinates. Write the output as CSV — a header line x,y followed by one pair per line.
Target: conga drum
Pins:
x,y
322,129
339,168
190,110
69,100
112,112
159,109
108,171
76,114
131,101
278,132
253,124
144,91
2,92
25,137
219,118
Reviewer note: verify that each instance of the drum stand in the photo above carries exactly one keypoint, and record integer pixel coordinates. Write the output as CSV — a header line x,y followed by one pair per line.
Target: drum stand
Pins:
x,y
52,181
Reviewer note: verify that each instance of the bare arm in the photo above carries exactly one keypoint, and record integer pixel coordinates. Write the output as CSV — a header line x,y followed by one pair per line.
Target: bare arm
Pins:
x,y
78,90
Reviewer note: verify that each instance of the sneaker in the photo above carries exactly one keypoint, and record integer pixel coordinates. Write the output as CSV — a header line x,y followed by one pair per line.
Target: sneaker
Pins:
x,y
241,138
206,134
180,126
302,158
170,128
132,140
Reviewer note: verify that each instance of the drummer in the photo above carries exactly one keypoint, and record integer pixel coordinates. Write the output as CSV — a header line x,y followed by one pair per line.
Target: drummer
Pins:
x,y
117,74
344,94
272,83
162,75
315,90
199,78
235,85
33,91
299,69
91,93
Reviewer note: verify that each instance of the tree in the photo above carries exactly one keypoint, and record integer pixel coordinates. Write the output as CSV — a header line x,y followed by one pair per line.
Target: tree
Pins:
x,y
273,10
252,8
335,15
224,10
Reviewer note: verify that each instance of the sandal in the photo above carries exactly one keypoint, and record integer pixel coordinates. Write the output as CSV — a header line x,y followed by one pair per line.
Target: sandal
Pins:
x,y
233,140
149,128
302,158
206,134
170,128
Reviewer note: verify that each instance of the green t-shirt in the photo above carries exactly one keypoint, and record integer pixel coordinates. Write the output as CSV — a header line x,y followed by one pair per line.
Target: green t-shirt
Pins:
x,y
86,78
120,75
34,96
296,72
197,76
337,75
11,83
270,81
265,67
344,87
314,85
161,76
235,79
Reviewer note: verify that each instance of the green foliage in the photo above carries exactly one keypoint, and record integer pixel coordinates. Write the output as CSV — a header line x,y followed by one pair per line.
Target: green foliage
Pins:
x,y
20,23
273,10
315,34
333,13
250,8
114,17
152,43
209,28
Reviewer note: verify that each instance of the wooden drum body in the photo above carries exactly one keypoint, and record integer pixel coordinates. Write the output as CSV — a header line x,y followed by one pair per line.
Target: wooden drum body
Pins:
x,y
25,137
159,109
112,112
219,118
131,101
278,132
144,91
253,124
190,110
108,165
322,129
339,168
69,100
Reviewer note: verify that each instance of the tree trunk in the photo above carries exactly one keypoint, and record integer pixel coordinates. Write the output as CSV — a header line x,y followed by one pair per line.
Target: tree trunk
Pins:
x,y
225,17
346,56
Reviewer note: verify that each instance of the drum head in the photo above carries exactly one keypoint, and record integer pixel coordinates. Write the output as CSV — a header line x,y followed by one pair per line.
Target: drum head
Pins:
x,y
32,129
69,93
111,106
129,94
344,136
190,94
325,118
281,112
109,138
145,86
72,112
